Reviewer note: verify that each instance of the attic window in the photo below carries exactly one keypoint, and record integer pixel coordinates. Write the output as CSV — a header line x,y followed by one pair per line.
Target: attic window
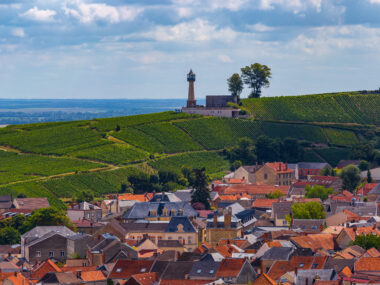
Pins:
x,y
118,270
199,271
143,269
212,271
313,227
314,265
301,265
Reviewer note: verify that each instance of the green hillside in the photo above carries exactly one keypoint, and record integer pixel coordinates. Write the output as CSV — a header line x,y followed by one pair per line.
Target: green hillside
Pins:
x,y
59,160
347,107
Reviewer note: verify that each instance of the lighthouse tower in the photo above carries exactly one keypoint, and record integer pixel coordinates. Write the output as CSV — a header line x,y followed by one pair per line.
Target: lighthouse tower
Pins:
x,y
191,102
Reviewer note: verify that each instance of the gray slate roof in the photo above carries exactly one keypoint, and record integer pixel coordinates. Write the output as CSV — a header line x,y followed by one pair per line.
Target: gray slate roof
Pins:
x,y
204,269
41,231
142,210
176,221
375,191
361,209
312,274
278,253
281,209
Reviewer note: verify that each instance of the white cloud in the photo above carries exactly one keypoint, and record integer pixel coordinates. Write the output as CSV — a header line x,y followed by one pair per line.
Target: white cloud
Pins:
x,y
296,6
232,5
327,40
224,58
259,27
374,1
195,31
10,6
87,13
18,32
40,15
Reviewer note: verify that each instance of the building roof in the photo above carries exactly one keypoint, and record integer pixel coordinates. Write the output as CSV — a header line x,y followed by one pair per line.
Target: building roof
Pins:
x,y
230,267
60,278
84,206
124,269
177,270
31,203
254,189
375,190
264,203
368,209
5,202
315,241
368,264
18,279
280,167
87,224
281,209
144,210
145,278
277,253
40,231
264,279
251,168
144,227
91,276
136,197
312,275
308,225
204,269
312,165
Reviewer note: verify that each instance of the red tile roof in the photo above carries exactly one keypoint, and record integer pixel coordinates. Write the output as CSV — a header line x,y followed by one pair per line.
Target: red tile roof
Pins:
x,y
254,189
126,268
264,279
264,203
279,167
45,267
145,278
91,276
315,241
230,267
366,188
136,197
236,181
185,282
220,189
368,264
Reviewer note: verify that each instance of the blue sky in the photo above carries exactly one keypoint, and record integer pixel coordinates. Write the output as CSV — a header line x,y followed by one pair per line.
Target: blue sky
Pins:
x,y
144,48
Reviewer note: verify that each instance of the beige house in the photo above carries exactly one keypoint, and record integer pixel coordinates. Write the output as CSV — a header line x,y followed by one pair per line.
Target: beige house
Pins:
x,y
276,173
246,172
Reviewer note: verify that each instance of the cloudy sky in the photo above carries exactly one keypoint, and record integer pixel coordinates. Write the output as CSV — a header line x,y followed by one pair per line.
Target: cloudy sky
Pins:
x,y
144,48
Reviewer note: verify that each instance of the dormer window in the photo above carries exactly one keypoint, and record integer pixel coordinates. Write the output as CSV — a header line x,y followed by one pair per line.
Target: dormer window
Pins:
x,y
143,270
180,212
164,211
180,228
118,270
152,213
172,212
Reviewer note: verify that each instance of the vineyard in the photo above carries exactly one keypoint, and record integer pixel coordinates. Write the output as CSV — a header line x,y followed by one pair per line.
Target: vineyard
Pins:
x,y
349,107
59,160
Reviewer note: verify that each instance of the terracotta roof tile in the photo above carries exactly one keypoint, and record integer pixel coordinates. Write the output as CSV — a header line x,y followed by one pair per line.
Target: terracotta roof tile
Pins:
x,y
185,282
264,279
315,241
367,264
91,276
126,268
146,278
134,197
279,167
346,272
372,252
264,203
230,267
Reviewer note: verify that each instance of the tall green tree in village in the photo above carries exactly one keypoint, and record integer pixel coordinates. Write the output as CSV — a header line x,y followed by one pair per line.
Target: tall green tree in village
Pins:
x,y
367,241
309,210
351,177
318,191
200,192
256,76
369,176
235,84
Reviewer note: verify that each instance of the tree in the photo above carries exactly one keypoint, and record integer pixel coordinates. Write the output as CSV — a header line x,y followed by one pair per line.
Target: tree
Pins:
x,y
236,165
21,195
367,241
47,217
309,210
363,151
274,195
369,176
235,84
84,196
364,165
267,149
117,129
318,191
326,171
291,150
123,188
9,235
256,76
243,152
200,192
351,177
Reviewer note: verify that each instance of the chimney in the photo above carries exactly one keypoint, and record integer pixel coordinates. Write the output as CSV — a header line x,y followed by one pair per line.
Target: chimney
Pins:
x,y
227,218
286,166
78,274
296,271
215,221
321,228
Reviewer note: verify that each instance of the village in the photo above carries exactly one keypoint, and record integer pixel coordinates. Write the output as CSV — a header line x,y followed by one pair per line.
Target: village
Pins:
x,y
252,234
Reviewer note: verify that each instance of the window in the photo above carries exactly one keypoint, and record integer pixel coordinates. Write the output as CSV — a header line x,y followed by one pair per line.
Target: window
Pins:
x,y
143,270
301,265
118,270
314,265
159,238
265,176
189,240
211,271
199,271
169,238
51,253
179,238
62,253
38,253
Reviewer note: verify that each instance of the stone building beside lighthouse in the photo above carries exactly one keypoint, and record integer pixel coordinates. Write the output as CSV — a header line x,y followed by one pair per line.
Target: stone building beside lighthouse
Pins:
x,y
216,105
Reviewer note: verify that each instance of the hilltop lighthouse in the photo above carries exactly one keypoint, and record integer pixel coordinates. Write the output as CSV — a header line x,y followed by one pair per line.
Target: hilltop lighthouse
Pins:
x,y
191,102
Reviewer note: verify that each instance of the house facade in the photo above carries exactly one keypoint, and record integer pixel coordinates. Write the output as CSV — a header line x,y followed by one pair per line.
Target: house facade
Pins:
x,y
276,173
